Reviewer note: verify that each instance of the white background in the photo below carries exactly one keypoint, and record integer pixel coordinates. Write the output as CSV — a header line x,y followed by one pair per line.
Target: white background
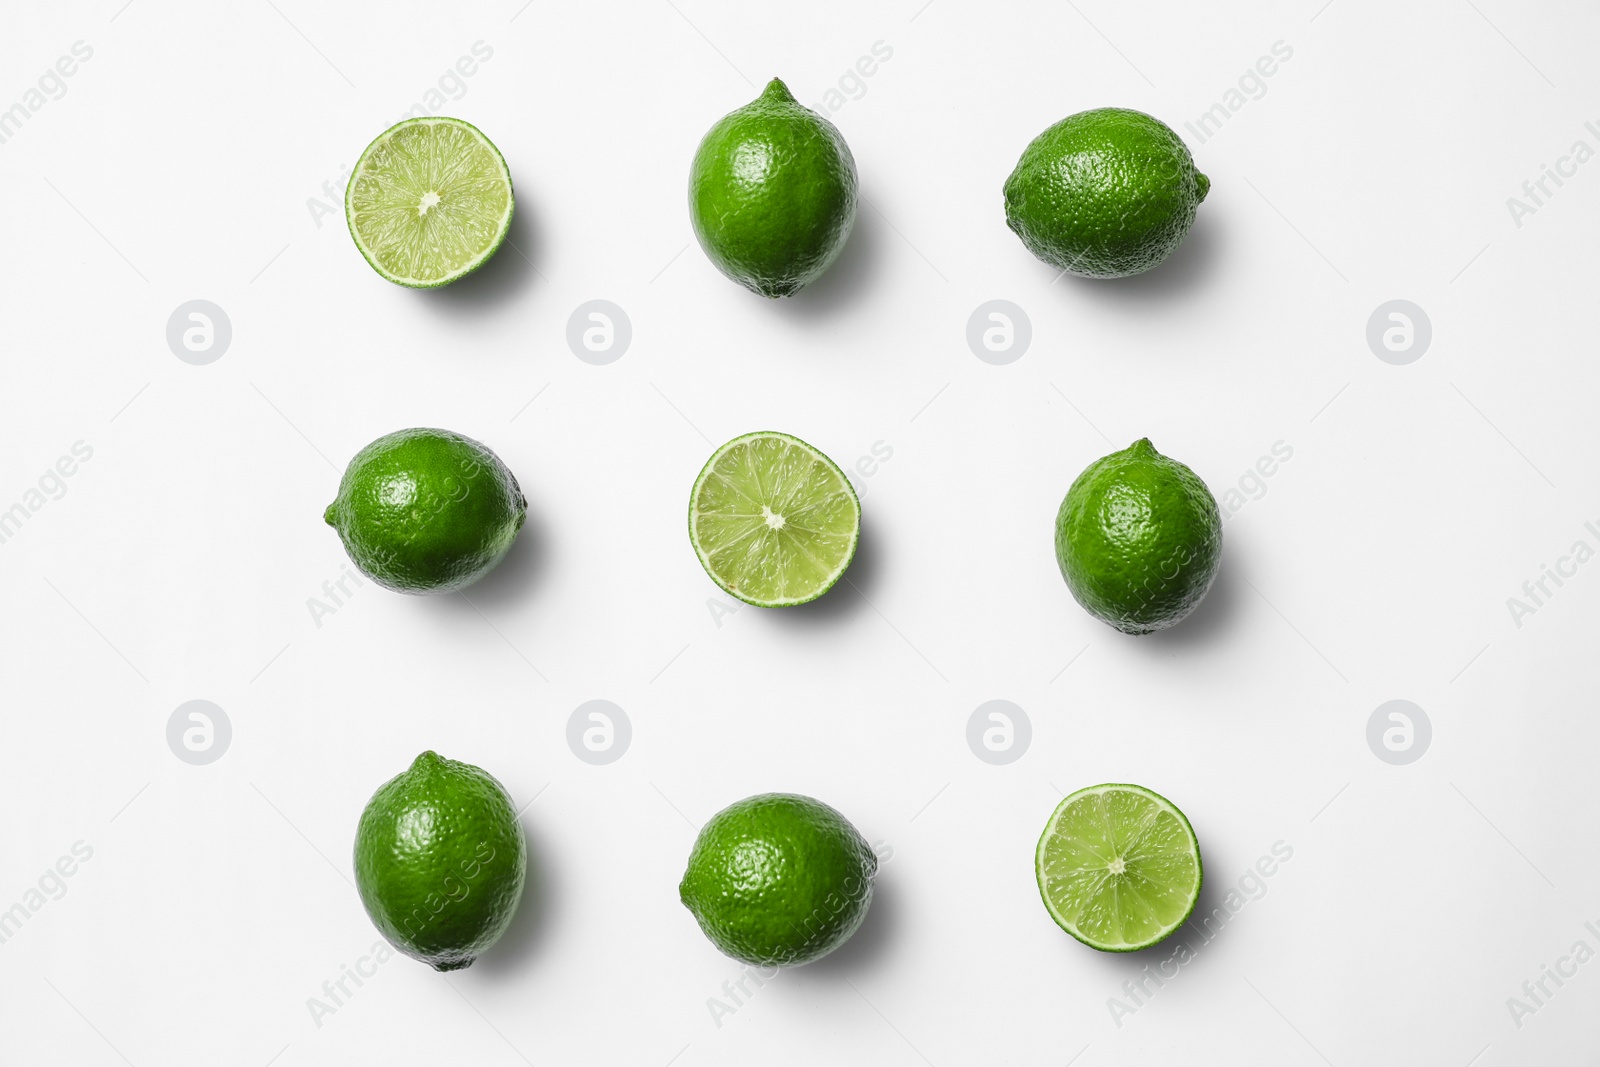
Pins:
x,y
178,564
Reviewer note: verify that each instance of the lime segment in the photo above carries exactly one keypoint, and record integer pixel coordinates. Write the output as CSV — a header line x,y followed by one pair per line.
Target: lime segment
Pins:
x,y
1118,867
774,521
429,201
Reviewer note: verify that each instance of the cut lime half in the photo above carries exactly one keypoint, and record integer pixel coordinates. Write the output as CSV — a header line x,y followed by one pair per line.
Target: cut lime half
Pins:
x,y
1118,867
774,522
429,201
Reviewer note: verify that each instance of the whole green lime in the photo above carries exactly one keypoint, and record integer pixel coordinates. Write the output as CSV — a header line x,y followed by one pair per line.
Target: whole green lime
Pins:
x,y
426,511
772,193
779,879
1139,539
440,861
1104,193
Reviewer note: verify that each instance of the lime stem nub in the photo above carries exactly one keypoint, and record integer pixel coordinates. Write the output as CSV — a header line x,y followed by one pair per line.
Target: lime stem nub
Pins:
x,y
778,91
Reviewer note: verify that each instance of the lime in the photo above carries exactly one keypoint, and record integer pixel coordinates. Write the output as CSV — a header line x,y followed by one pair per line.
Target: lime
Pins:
x,y
1105,193
772,193
1138,539
778,880
429,201
426,511
774,521
440,861
1118,867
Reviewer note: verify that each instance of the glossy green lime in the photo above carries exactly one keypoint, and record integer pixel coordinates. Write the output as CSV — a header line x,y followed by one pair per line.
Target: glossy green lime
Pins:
x,y
1104,193
429,201
1119,867
426,511
440,861
1138,539
772,193
779,879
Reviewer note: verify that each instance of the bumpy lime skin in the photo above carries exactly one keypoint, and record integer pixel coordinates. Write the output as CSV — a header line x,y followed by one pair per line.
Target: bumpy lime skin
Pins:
x,y
1105,194
779,880
441,861
426,511
1138,539
772,194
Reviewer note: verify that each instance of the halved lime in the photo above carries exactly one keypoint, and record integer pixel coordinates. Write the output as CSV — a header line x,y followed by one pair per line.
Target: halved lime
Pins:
x,y
774,521
429,201
1118,867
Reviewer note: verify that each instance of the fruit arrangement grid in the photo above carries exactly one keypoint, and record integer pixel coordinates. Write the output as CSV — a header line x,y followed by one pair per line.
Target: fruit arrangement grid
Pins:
x,y
934,534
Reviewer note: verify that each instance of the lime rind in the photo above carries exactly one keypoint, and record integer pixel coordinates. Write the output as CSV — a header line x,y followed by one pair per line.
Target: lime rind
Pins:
x,y
772,194
1150,898
779,880
1138,539
427,511
375,209
746,525
441,861
1104,193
